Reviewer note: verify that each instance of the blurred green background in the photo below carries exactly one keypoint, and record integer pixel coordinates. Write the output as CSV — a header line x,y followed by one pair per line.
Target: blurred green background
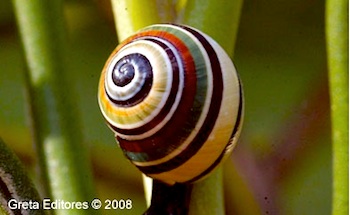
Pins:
x,y
283,158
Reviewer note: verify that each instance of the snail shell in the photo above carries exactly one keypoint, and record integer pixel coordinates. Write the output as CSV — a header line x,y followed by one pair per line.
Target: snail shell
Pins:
x,y
174,100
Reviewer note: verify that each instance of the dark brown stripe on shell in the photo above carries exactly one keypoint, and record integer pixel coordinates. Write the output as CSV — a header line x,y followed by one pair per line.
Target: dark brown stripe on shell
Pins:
x,y
209,121
183,120
234,132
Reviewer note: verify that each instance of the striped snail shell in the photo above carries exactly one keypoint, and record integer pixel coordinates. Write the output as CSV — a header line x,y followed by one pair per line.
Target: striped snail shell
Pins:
x,y
174,100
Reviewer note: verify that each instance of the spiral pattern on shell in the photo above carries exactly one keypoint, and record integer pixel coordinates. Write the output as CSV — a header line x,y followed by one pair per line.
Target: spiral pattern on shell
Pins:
x,y
174,100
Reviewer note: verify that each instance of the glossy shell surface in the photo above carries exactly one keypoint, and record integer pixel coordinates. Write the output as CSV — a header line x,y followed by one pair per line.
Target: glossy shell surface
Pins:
x,y
174,101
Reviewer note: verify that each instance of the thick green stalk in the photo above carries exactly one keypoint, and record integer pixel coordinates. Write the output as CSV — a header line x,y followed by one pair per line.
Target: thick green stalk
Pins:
x,y
15,184
337,34
62,156
220,21
207,195
132,15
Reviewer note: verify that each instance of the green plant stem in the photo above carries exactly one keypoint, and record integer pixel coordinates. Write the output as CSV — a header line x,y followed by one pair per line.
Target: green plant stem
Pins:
x,y
62,156
132,15
15,184
207,195
338,63
220,21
